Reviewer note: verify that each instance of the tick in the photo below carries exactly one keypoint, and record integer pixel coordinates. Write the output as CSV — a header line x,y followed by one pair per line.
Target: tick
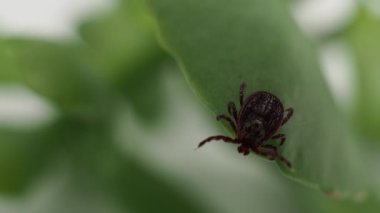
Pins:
x,y
258,120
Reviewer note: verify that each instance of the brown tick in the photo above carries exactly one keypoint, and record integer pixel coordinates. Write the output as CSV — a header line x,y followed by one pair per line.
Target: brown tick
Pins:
x,y
259,118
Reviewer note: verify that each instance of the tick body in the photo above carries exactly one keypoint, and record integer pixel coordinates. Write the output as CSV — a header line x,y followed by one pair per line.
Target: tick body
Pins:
x,y
258,120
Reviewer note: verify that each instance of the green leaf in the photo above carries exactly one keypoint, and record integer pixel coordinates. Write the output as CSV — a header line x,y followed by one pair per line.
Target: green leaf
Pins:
x,y
144,94
123,51
136,186
363,39
321,203
121,43
98,163
221,44
23,155
54,71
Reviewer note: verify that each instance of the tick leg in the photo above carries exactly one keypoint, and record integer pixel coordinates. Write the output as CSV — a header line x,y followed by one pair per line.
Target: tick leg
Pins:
x,y
289,114
281,137
217,137
273,154
232,110
242,90
265,154
228,120
282,159
272,148
243,149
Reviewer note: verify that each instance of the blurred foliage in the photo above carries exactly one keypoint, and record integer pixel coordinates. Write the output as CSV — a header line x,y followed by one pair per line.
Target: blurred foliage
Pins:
x,y
97,162
84,81
125,57
22,157
119,64
54,71
128,49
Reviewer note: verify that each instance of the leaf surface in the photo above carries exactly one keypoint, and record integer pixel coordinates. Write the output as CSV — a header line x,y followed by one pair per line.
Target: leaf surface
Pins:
x,y
220,44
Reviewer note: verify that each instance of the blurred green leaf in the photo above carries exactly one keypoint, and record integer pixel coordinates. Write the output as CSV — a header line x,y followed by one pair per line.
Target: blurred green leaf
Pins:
x,y
145,94
221,44
97,162
54,71
137,187
363,37
23,155
122,48
121,43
